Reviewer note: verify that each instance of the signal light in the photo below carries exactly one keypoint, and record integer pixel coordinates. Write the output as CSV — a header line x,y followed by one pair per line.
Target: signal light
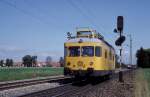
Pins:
x,y
120,23
120,40
115,31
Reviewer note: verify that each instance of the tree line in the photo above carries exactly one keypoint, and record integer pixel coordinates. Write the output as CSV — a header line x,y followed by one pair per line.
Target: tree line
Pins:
x,y
30,61
143,58
7,62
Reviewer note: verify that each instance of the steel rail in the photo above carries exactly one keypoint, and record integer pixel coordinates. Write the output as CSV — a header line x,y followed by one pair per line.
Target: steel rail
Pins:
x,y
10,85
69,89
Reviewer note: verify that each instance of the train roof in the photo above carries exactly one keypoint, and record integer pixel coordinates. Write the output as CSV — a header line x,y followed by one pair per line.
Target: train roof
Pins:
x,y
87,35
74,40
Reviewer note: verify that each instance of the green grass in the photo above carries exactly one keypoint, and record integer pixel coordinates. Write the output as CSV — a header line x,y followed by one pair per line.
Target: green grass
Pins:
x,y
7,74
146,73
142,80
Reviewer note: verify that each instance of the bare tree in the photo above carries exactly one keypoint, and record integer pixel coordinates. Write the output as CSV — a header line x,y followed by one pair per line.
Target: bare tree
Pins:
x,y
1,63
34,61
9,62
61,61
49,61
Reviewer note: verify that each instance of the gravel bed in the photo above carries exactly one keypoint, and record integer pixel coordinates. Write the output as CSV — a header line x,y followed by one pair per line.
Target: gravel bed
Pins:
x,y
28,89
113,88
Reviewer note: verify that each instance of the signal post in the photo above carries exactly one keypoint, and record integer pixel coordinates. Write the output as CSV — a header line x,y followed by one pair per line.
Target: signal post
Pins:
x,y
119,42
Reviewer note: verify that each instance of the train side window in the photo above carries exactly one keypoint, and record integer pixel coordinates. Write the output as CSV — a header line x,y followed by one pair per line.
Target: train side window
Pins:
x,y
105,53
113,58
98,51
110,55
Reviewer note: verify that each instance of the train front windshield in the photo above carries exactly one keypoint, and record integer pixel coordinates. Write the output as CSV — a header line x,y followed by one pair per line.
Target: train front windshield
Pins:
x,y
74,51
86,51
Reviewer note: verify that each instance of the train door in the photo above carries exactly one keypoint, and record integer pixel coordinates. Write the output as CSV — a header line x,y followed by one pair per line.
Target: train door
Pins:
x,y
106,55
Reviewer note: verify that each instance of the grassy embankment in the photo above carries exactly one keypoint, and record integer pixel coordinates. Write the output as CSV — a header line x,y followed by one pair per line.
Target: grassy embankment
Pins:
x,y
7,74
142,86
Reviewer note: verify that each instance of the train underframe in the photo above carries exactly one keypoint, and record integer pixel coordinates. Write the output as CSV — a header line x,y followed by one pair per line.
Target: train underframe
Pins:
x,y
90,72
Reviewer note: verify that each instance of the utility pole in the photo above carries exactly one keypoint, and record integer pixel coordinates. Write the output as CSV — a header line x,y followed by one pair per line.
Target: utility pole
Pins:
x,y
130,49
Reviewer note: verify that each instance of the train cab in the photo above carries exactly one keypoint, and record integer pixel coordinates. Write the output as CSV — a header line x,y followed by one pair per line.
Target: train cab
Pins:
x,y
85,54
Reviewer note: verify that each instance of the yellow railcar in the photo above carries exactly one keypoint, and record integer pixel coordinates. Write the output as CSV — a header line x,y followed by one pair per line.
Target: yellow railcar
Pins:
x,y
88,54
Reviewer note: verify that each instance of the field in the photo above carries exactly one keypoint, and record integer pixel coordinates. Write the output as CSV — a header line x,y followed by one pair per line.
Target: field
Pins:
x,y
7,74
142,81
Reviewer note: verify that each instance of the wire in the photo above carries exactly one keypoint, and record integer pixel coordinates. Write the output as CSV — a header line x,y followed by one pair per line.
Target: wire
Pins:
x,y
37,9
78,8
25,12
89,19
89,12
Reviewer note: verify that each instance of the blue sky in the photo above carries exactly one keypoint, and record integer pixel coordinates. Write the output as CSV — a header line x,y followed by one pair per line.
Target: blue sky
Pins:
x,y
38,27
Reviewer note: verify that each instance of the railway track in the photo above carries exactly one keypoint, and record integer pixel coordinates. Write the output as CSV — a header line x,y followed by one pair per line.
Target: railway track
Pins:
x,y
16,84
58,91
77,90
72,89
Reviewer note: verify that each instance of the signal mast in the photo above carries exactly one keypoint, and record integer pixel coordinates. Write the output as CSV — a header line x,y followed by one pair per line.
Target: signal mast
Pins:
x,y
119,42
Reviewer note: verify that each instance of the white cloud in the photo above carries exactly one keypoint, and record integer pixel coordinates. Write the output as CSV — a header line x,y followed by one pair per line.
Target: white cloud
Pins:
x,y
5,48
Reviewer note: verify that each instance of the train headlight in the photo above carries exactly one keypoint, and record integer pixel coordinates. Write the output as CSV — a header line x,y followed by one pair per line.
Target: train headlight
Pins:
x,y
80,63
91,63
84,66
68,63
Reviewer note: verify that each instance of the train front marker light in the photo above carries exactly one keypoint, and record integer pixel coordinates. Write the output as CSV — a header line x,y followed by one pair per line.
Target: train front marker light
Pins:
x,y
91,63
80,41
120,23
68,64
